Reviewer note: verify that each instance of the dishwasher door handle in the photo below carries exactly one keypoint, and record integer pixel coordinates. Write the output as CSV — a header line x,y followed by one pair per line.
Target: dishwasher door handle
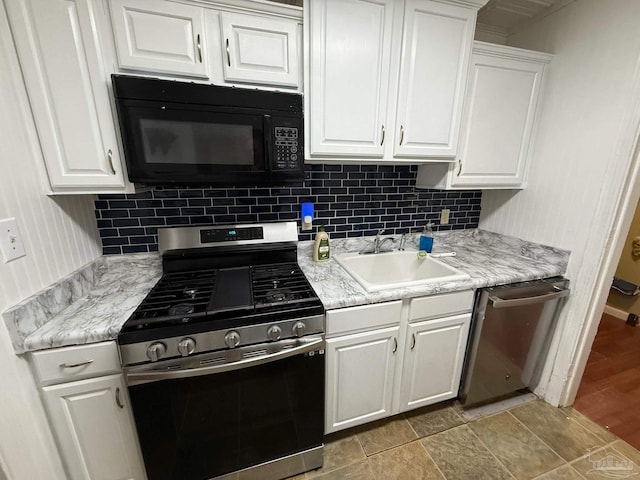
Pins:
x,y
498,302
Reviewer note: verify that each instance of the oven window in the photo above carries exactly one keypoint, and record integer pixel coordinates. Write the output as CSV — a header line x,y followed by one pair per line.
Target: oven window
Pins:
x,y
178,142
206,426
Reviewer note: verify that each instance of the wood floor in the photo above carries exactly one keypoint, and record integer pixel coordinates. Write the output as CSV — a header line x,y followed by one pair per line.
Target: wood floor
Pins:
x,y
610,390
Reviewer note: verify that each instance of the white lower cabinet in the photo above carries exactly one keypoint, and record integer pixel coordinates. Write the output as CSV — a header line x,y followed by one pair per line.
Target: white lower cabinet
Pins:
x,y
391,357
360,370
433,360
91,418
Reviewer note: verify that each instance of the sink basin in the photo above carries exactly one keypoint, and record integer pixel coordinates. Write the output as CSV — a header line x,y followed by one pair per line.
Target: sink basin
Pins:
x,y
382,271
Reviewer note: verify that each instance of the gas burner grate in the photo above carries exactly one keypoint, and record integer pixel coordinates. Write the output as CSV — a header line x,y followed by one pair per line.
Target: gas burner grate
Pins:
x,y
280,284
176,295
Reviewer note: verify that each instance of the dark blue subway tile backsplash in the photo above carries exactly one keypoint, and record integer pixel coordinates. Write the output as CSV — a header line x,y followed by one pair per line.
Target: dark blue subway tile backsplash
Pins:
x,y
350,200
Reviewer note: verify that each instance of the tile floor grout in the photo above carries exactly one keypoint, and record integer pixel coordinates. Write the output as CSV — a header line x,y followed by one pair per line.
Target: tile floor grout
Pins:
x,y
445,420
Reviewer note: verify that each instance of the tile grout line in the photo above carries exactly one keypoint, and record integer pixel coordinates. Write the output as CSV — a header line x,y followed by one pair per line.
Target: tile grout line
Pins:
x,y
424,447
491,453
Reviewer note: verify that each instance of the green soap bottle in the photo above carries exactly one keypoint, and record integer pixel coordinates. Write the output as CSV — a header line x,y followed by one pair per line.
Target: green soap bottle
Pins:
x,y
321,250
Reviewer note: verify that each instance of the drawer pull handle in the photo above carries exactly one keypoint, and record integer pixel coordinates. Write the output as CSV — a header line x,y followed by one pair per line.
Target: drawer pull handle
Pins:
x,y
228,54
459,168
401,134
199,45
118,400
76,365
395,344
382,141
110,159
413,341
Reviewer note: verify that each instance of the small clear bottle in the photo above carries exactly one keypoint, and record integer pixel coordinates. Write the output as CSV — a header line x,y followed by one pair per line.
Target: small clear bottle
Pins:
x,y
426,239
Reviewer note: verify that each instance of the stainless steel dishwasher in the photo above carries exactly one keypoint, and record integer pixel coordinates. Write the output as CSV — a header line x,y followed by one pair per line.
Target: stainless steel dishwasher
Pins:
x,y
511,331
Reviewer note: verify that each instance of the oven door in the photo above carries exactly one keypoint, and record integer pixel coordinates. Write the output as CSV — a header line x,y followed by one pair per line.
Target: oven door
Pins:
x,y
208,416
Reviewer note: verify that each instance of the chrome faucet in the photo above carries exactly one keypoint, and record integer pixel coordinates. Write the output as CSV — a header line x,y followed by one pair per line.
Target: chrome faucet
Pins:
x,y
403,240
378,242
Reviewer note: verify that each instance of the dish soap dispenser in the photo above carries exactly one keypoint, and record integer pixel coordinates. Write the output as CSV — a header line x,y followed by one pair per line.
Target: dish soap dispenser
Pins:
x,y
321,250
426,239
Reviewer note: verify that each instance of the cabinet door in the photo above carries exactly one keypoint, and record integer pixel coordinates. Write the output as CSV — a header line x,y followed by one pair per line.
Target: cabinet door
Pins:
x,y
61,59
359,378
349,72
500,106
433,361
94,428
159,37
436,50
260,50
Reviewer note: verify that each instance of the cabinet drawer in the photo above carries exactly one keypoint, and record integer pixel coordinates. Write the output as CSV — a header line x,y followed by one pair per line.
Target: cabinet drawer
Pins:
x,y
73,363
441,305
363,317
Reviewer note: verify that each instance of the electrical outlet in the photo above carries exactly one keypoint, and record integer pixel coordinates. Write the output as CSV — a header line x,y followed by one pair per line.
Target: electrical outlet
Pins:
x,y
10,240
444,216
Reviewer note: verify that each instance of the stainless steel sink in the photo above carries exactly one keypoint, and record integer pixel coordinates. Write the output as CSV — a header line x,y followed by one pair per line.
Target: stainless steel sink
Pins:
x,y
383,271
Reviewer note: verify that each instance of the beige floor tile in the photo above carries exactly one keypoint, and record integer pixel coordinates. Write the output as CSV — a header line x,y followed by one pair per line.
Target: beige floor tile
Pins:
x,y
627,450
461,456
385,434
566,472
357,471
339,451
600,432
408,462
434,419
524,454
606,463
564,435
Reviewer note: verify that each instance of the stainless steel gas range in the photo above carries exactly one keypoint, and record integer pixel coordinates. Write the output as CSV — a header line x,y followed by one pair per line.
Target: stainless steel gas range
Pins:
x,y
224,358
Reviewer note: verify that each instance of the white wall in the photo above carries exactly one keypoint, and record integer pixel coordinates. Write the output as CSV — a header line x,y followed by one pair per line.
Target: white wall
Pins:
x,y
581,152
60,236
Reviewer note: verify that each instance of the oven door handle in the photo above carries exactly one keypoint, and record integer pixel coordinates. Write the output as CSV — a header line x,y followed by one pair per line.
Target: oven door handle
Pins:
x,y
146,374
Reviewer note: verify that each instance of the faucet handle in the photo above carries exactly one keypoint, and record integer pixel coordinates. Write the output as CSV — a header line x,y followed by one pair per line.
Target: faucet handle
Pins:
x,y
381,231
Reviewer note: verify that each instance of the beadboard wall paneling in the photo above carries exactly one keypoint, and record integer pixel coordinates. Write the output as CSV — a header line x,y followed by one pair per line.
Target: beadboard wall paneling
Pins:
x,y
350,200
581,151
59,236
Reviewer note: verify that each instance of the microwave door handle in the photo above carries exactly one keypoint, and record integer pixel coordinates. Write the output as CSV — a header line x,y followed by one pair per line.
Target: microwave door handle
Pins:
x,y
267,125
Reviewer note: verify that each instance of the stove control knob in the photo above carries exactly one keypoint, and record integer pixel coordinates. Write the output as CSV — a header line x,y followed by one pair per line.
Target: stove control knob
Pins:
x,y
186,346
274,333
232,339
156,351
298,329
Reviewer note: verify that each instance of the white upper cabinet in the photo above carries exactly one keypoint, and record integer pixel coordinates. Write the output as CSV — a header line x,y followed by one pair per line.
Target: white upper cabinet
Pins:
x,y
436,49
349,72
499,119
260,50
159,36
385,78
61,57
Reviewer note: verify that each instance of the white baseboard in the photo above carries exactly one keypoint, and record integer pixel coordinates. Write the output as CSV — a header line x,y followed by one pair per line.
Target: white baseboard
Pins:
x,y
615,312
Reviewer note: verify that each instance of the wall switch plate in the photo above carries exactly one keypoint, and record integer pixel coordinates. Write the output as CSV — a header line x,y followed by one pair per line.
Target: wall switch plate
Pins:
x,y
444,216
11,244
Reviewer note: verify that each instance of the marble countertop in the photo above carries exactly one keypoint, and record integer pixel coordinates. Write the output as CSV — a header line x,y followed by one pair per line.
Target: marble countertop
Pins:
x,y
489,258
92,304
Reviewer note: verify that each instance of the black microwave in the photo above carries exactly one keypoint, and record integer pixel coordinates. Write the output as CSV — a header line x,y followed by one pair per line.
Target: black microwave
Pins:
x,y
181,133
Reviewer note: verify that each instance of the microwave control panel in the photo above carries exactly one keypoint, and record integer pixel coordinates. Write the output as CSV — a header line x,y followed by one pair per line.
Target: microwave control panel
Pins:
x,y
287,153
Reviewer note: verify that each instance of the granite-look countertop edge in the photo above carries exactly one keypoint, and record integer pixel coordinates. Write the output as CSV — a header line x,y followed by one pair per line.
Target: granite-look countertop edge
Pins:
x,y
35,311
489,258
99,315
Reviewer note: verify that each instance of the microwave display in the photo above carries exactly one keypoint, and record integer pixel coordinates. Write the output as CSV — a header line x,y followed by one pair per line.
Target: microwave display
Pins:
x,y
179,133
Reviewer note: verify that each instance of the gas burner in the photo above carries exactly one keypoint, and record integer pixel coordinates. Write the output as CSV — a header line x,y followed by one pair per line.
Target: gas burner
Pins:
x,y
181,309
280,295
190,291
